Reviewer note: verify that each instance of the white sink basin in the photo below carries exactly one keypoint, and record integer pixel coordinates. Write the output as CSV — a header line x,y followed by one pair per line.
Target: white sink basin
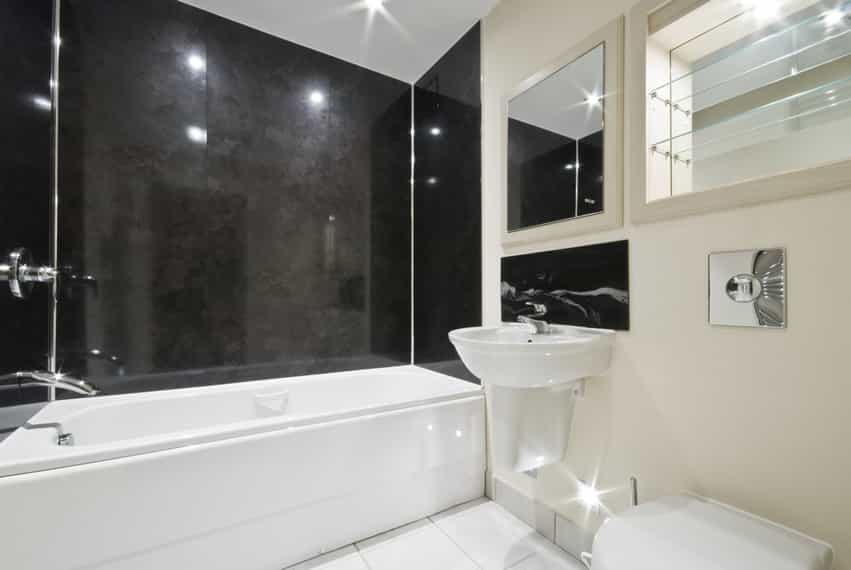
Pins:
x,y
513,355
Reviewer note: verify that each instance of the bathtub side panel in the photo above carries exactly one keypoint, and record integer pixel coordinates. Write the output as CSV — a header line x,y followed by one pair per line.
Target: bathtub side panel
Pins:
x,y
279,541
271,499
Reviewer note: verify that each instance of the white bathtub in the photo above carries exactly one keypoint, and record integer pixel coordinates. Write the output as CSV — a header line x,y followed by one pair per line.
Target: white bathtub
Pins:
x,y
256,475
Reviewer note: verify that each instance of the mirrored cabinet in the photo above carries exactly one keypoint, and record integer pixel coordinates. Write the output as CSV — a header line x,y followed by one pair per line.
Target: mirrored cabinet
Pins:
x,y
741,100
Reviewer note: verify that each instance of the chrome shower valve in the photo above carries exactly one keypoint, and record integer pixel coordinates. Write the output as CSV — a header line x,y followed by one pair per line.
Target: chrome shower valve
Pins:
x,y
19,271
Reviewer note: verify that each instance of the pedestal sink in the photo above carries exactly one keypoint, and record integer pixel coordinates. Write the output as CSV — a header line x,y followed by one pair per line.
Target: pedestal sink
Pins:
x,y
513,355
530,380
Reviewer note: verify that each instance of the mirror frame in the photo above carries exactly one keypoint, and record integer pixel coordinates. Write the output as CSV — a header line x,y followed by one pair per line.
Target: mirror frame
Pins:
x,y
787,184
612,35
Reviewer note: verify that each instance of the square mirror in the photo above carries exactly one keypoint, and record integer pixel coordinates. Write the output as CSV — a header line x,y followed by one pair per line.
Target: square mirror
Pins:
x,y
555,145
562,153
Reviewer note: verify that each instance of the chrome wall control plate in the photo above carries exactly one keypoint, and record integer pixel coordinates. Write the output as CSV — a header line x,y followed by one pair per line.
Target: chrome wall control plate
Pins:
x,y
748,288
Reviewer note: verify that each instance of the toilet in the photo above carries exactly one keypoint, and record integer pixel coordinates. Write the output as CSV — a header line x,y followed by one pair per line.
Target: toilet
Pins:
x,y
692,533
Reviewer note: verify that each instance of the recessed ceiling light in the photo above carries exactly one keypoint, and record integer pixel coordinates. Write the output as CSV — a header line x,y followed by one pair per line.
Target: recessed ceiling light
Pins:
x,y
374,4
593,100
833,17
568,166
317,97
436,131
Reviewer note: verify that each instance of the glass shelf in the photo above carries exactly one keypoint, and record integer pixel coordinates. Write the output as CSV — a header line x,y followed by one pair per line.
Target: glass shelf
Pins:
x,y
807,105
712,83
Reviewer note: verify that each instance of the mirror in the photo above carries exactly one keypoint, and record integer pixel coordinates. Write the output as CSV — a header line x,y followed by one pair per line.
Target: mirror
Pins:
x,y
562,167
739,94
555,145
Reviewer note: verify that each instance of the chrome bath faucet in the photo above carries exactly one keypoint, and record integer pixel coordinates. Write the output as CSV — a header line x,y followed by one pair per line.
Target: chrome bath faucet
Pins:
x,y
50,380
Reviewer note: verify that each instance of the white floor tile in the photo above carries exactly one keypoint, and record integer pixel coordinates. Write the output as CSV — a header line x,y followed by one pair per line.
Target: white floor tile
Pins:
x,y
494,538
346,558
478,535
549,562
420,546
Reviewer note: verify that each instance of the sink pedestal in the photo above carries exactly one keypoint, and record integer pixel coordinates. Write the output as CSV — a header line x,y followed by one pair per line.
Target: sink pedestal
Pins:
x,y
530,428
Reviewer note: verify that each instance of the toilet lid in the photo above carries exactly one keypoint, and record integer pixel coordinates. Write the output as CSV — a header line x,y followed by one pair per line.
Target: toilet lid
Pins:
x,y
686,532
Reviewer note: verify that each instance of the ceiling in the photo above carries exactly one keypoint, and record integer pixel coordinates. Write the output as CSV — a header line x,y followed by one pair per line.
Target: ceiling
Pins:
x,y
560,102
402,39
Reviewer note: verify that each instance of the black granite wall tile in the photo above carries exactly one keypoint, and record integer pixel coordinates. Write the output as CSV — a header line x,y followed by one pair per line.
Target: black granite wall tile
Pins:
x,y
552,177
541,176
242,203
583,286
590,188
25,159
447,203
390,234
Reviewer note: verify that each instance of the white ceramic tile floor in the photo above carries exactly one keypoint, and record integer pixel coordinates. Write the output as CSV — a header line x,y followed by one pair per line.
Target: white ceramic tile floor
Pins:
x,y
347,558
478,535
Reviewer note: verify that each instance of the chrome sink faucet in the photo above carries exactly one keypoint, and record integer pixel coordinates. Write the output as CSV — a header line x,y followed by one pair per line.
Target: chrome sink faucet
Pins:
x,y
50,380
539,310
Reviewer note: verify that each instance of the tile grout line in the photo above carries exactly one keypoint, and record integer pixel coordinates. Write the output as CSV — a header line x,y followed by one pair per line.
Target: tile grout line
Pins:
x,y
361,556
522,560
452,540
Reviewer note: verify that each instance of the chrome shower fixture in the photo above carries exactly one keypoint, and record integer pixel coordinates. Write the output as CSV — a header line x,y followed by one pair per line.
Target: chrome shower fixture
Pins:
x,y
20,273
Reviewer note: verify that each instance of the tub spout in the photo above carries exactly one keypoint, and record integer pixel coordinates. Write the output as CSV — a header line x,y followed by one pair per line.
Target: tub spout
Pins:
x,y
50,379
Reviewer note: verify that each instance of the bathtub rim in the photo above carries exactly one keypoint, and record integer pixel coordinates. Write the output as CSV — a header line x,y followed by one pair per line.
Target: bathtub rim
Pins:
x,y
43,432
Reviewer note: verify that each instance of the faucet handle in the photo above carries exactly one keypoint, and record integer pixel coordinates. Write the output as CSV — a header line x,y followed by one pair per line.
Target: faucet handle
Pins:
x,y
539,308
19,271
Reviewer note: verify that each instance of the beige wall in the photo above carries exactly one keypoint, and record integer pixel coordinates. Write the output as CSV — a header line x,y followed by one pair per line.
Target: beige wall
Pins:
x,y
760,419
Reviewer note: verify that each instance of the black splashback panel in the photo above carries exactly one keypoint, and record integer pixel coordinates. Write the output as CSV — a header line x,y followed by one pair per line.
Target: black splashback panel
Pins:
x,y
584,286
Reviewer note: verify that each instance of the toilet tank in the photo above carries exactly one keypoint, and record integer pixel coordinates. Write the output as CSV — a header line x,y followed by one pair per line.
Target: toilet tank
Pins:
x,y
692,533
